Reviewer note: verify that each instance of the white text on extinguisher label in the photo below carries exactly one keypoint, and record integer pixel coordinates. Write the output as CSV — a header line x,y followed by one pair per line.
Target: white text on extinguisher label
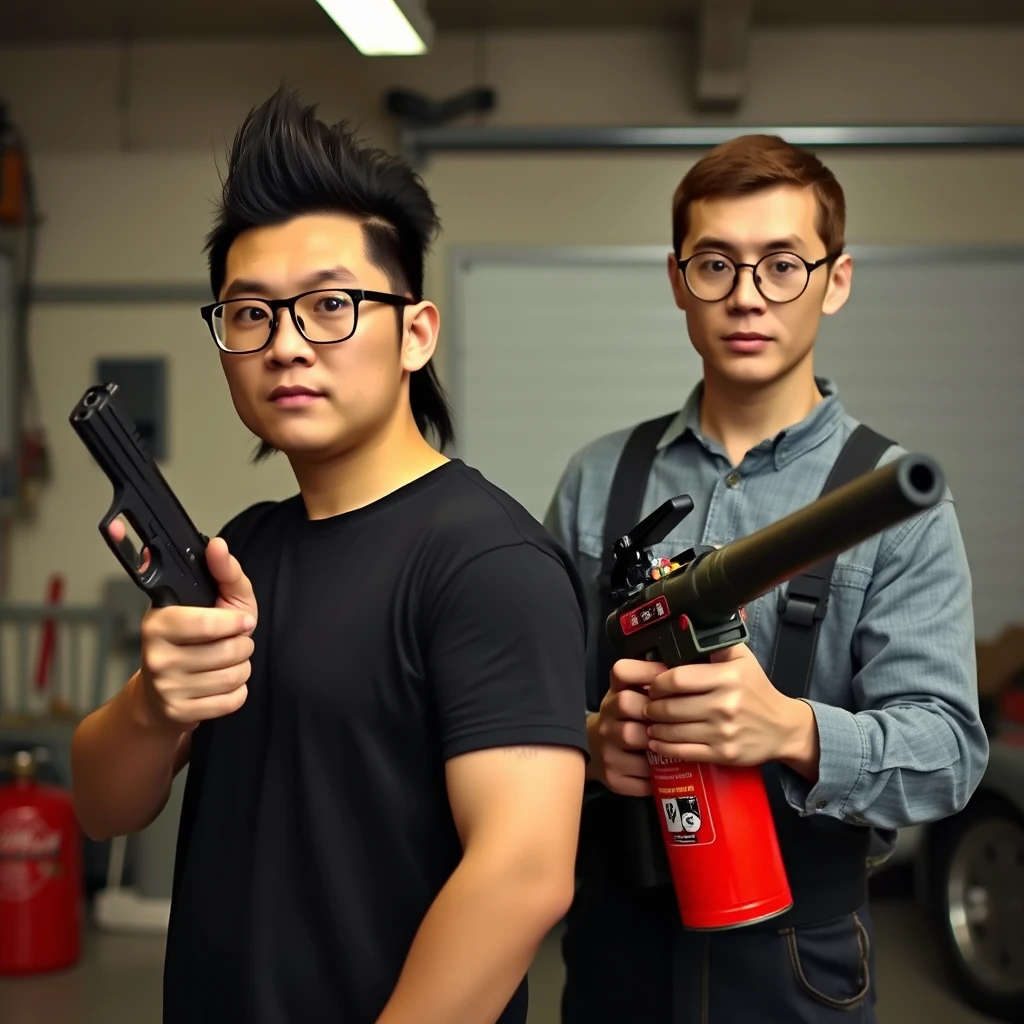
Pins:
x,y
680,791
29,854
643,616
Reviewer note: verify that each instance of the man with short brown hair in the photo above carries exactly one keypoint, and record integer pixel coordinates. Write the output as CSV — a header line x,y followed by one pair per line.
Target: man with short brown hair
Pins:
x,y
876,728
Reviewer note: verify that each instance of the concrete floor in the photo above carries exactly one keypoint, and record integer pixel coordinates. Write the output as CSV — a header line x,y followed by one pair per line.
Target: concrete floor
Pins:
x,y
118,980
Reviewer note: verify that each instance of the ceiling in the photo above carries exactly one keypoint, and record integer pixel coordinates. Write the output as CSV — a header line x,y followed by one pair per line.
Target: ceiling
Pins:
x,y
53,21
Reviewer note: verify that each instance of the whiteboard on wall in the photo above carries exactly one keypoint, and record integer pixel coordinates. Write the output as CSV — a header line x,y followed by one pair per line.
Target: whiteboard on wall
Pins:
x,y
553,347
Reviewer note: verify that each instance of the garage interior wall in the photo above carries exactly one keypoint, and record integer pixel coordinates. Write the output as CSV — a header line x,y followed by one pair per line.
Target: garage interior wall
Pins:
x,y
127,143
930,335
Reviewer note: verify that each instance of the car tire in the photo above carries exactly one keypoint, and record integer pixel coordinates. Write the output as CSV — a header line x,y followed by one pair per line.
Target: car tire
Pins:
x,y
976,898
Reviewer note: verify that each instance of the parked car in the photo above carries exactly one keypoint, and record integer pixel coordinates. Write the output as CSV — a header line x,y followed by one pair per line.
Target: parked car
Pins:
x,y
969,876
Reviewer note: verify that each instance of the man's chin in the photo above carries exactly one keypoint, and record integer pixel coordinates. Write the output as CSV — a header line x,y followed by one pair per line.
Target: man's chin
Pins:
x,y
752,371
309,447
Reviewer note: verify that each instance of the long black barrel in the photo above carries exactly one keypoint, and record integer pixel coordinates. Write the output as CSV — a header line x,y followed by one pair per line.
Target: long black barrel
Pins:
x,y
739,573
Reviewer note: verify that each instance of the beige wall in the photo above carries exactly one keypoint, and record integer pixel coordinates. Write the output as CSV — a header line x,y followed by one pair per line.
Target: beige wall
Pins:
x,y
126,192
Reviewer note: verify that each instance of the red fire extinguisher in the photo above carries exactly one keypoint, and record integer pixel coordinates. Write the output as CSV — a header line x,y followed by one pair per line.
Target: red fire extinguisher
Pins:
x,y
40,874
716,820
742,878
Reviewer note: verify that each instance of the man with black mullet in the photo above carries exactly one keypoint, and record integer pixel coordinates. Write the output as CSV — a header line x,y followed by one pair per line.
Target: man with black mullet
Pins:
x,y
382,717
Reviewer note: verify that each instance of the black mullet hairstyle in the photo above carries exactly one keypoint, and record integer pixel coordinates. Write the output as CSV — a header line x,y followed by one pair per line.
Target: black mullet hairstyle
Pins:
x,y
286,163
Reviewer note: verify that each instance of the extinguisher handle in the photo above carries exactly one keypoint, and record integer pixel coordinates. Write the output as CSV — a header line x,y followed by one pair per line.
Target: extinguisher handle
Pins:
x,y
710,584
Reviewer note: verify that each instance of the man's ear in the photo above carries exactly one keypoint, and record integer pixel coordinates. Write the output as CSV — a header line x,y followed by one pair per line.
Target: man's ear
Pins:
x,y
675,279
419,339
840,280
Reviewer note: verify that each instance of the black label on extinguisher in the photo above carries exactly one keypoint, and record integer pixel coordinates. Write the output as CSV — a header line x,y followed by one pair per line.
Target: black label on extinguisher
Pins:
x,y
684,804
682,815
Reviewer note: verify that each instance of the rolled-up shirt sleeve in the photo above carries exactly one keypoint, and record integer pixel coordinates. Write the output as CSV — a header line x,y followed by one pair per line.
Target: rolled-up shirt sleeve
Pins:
x,y
916,749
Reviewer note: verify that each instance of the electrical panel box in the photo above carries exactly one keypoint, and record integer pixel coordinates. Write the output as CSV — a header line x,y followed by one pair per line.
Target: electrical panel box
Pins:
x,y
142,393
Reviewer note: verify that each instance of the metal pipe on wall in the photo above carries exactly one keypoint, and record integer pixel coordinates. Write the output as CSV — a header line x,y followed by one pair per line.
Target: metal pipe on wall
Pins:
x,y
418,143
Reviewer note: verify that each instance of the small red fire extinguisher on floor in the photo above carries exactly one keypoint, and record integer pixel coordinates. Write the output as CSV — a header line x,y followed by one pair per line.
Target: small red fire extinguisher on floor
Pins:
x,y
40,874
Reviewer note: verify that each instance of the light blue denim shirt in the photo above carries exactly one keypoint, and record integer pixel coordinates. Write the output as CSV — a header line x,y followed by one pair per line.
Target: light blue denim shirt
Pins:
x,y
894,684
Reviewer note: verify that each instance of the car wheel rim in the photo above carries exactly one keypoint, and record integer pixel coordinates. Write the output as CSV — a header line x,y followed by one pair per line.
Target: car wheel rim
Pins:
x,y
986,903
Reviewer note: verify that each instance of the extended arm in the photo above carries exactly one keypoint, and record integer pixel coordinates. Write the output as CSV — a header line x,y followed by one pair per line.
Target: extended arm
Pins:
x,y
195,662
506,664
123,761
918,743
517,810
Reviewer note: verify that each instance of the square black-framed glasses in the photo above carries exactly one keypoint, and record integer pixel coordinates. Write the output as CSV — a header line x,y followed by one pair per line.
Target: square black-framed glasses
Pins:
x,y
273,307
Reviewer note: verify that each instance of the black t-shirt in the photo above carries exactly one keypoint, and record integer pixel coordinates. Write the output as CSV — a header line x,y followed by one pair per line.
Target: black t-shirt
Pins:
x,y
315,829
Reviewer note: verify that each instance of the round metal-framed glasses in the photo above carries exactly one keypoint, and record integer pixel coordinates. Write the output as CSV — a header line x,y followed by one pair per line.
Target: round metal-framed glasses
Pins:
x,y
779,276
322,317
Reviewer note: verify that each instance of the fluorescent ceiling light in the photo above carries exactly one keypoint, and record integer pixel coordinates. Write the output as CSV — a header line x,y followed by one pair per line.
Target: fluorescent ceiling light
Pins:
x,y
382,27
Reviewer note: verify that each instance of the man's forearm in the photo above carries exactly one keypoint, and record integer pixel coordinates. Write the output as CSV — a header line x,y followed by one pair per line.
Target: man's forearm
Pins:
x,y
122,765
476,943
870,769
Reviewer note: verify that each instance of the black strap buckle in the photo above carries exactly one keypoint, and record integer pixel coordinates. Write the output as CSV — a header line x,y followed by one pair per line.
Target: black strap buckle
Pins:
x,y
804,601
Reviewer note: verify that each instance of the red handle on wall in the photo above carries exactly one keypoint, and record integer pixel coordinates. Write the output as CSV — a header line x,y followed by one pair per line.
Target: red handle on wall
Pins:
x,y
48,641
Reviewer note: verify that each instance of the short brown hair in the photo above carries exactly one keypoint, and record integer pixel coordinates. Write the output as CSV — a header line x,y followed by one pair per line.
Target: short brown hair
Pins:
x,y
750,163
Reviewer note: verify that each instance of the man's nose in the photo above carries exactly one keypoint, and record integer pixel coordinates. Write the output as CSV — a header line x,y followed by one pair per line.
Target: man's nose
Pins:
x,y
745,295
288,345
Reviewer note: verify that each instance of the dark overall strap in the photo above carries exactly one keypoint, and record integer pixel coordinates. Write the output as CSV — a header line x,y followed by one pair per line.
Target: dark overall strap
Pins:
x,y
804,603
623,512
826,859
621,836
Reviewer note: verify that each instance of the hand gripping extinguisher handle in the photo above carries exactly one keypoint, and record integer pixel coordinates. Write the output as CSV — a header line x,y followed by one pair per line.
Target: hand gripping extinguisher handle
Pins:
x,y
716,820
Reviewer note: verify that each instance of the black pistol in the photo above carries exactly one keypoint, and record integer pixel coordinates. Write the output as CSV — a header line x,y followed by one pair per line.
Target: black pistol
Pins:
x,y
678,613
176,573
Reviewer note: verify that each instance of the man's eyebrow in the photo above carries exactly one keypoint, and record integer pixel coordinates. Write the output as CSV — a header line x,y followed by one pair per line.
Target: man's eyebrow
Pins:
x,y
707,242
330,275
